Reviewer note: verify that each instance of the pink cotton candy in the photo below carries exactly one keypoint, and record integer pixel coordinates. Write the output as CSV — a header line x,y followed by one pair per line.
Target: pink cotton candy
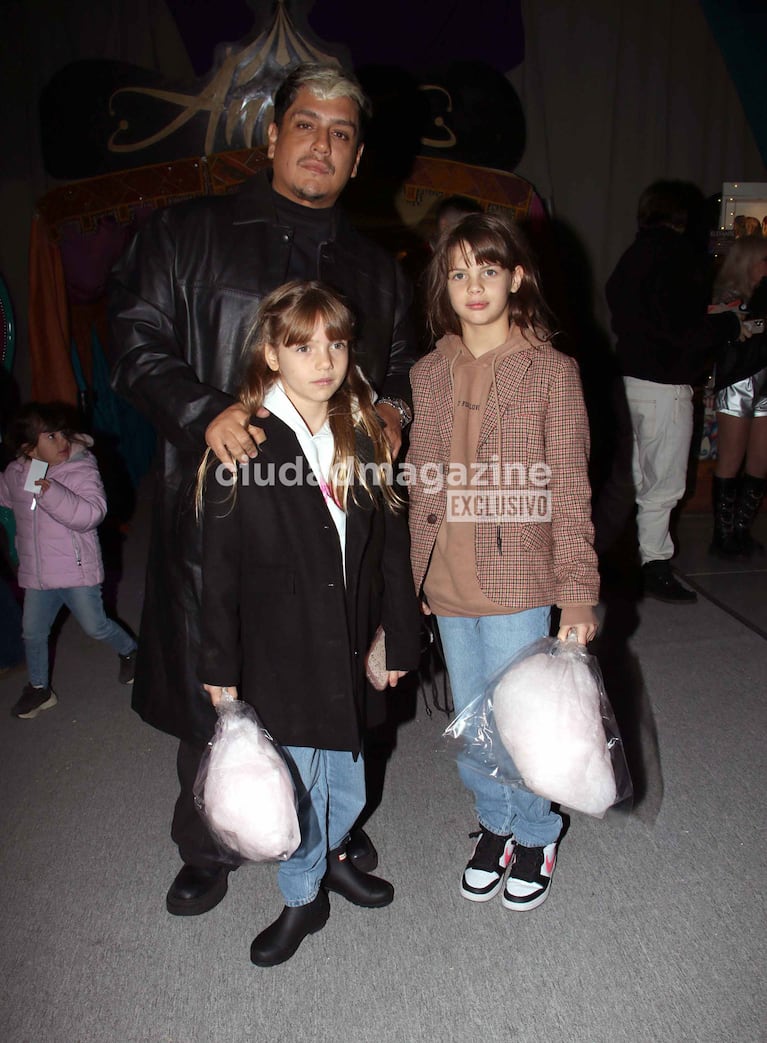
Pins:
x,y
547,712
248,797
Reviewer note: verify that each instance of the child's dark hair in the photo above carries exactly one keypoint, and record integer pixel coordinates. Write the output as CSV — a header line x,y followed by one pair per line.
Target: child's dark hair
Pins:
x,y
455,207
36,418
492,240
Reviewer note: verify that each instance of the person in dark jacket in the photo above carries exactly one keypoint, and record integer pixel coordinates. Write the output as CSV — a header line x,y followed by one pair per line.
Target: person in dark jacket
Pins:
x,y
658,295
182,299
304,557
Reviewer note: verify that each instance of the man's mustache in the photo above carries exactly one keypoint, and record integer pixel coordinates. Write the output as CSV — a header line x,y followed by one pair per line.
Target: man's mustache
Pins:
x,y
328,167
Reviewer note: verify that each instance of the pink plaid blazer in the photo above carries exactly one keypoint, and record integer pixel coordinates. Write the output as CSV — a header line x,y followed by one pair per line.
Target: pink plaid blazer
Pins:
x,y
541,419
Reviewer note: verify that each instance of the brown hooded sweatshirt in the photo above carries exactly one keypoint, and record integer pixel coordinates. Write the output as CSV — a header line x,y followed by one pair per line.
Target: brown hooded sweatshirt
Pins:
x,y
451,585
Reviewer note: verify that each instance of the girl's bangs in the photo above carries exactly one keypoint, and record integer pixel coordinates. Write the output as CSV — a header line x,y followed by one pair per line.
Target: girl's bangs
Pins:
x,y
52,420
486,247
300,322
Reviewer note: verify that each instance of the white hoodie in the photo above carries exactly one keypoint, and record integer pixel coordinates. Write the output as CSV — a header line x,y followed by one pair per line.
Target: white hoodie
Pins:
x,y
318,450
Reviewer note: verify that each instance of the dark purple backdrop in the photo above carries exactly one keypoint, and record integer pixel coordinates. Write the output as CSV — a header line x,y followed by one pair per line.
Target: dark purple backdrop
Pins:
x,y
413,34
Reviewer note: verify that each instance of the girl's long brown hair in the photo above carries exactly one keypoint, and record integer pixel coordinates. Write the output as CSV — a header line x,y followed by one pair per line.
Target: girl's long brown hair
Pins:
x,y
286,317
492,240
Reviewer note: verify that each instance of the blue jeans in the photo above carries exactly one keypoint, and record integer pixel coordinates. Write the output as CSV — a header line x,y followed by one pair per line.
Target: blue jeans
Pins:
x,y
330,786
476,650
40,610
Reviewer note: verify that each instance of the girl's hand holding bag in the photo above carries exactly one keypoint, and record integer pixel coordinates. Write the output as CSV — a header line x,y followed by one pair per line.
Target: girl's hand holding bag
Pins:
x,y
244,789
546,722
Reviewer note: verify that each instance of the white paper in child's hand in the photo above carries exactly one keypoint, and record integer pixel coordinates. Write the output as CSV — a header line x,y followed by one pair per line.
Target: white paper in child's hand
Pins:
x,y
37,470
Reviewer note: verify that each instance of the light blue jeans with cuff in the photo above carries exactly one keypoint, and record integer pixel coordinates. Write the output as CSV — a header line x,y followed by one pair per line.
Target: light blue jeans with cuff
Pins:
x,y
40,610
330,787
476,649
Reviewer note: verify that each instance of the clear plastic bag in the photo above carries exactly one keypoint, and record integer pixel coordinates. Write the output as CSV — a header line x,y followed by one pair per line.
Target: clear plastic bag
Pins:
x,y
244,789
545,722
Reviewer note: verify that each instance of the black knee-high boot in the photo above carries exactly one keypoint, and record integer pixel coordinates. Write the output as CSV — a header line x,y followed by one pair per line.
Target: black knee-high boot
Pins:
x,y
725,543
750,496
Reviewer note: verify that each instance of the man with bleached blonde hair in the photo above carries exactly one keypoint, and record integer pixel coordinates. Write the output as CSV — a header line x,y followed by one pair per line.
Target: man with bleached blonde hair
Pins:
x,y
182,299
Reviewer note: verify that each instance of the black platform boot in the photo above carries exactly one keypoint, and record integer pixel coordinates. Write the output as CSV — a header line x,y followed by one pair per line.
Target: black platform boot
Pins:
x,y
725,543
280,940
343,877
750,496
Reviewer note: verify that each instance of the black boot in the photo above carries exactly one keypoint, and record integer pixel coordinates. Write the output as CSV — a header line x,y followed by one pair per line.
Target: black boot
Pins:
x,y
281,939
660,582
361,851
725,544
197,890
345,879
750,496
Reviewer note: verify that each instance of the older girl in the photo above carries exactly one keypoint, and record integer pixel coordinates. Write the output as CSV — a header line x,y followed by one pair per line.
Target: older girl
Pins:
x,y
507,533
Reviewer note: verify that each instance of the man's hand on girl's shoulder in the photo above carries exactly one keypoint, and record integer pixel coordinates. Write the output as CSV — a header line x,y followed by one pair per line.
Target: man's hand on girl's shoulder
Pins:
x,y
232,438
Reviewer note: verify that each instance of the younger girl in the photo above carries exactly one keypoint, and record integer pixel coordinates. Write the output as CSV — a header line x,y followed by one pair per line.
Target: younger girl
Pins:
x,y
303,559
57,543
507,532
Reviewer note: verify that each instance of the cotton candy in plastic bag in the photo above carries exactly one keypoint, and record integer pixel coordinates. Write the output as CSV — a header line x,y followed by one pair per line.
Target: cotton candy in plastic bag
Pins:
x,y
244,789
545,722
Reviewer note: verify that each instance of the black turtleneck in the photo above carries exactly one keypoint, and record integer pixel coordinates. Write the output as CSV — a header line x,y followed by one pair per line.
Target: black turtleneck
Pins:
x,y
311,227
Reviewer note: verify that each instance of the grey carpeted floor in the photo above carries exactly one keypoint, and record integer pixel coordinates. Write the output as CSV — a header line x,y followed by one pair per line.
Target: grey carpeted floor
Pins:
x,y
655,928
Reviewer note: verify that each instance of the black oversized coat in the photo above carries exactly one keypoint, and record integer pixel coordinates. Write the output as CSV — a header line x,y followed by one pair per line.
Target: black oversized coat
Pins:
x,y
279,621
181,301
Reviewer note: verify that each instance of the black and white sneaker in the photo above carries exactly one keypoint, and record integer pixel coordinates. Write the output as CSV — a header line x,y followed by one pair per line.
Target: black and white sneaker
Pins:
x,y
529,879
483,876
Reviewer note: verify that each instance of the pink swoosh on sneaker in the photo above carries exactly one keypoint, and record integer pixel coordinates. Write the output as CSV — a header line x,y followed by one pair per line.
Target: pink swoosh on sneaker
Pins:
x,y
550,863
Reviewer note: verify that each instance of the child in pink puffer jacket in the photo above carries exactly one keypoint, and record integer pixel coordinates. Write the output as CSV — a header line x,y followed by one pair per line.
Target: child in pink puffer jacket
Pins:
x,y
57,543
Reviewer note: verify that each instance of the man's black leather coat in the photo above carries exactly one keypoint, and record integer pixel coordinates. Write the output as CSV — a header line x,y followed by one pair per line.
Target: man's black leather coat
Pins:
x,y
182,300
